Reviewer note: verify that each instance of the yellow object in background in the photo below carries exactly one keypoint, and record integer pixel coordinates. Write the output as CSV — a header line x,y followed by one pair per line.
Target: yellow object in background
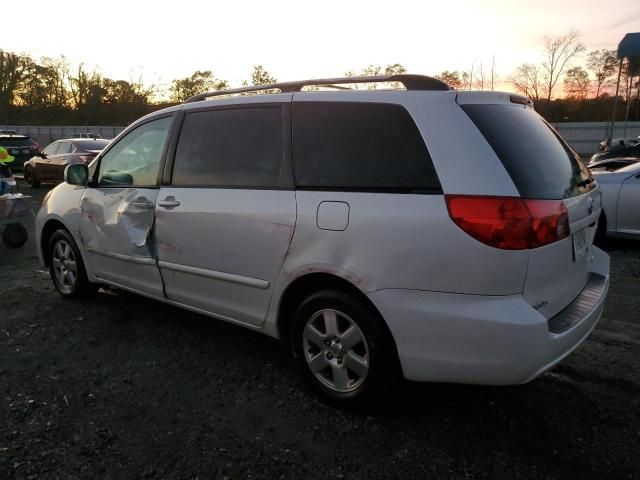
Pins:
x,y
4,156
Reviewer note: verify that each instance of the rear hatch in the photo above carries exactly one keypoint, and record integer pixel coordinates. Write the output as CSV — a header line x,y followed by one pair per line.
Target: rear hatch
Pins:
x,y
543,167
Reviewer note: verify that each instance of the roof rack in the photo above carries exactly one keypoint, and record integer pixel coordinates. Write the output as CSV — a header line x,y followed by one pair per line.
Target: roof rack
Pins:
x,y
410,82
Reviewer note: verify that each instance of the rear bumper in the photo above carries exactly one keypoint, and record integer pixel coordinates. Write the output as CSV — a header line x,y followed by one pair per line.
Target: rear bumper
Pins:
x,y
490,340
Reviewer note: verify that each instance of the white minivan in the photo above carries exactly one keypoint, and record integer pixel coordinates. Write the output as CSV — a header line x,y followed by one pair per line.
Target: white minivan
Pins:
x,y
420,232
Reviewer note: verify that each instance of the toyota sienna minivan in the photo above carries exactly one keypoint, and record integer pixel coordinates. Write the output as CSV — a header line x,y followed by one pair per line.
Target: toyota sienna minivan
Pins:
x,y
421,232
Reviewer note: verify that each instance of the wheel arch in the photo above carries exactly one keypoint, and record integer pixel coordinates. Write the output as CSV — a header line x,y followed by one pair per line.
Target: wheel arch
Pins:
x,y
48,230
305,285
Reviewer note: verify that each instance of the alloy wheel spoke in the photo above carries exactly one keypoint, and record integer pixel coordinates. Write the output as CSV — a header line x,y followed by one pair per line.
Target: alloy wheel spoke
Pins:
x,y
356,364
315,336
351,337
330,323
57,264
317,363
71,265
340,377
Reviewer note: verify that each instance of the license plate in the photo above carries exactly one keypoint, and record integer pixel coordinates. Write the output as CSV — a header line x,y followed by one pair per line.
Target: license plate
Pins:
x,y
580,244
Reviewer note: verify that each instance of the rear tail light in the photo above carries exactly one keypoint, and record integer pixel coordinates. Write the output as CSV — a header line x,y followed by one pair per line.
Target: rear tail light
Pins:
x,y
510,223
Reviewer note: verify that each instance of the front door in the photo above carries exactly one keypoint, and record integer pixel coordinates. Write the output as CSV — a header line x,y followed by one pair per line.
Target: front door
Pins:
x,y
54,166
224,224
42,164
117,214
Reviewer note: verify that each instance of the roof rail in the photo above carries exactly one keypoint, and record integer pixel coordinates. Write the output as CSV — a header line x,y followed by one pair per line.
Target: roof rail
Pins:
x,y
410,82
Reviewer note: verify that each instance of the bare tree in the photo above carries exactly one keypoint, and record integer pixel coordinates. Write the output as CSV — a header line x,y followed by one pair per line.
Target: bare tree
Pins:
x,y
527,79
467,78
558,53
480,77
493,76
603,64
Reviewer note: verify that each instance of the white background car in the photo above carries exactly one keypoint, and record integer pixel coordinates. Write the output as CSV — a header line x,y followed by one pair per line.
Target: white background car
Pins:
x,y
443,235
620,199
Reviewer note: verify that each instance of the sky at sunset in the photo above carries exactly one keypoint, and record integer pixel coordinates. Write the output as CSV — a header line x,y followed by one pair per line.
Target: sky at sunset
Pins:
x,y
300,39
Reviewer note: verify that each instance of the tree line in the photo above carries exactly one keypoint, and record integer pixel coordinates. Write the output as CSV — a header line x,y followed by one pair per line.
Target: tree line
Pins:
x,y
51,91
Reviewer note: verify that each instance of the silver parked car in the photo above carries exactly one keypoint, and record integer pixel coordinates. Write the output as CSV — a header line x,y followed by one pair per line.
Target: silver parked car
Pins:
x,y
619,180
440,235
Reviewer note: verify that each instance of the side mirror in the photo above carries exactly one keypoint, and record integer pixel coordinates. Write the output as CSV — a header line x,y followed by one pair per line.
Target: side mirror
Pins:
x,y
77,174
41,155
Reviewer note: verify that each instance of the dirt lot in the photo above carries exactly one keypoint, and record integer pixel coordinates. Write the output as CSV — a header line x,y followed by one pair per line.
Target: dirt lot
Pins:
x,y
124,387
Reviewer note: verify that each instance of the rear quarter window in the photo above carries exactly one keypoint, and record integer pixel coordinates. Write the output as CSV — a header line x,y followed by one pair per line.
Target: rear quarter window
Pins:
x,y
360,146
540,163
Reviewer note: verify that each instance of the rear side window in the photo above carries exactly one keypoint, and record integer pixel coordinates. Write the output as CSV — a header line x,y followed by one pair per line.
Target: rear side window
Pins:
x,y
540,164
241,147
65,147
360,146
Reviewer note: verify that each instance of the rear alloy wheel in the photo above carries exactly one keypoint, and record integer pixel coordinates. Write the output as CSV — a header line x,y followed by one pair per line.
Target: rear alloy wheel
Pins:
x,y
344,351
30,177
336,350
65,266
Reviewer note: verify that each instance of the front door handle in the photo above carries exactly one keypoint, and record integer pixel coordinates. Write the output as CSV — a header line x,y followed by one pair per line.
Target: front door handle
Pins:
x,y
168,202
142,204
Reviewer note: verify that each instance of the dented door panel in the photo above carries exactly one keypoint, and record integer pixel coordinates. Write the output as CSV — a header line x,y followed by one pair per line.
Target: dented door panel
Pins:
x,y
116,229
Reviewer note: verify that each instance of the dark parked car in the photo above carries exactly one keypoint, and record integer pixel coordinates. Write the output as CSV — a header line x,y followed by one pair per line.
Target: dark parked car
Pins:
x,y
617,150
48,167
21,147
612,164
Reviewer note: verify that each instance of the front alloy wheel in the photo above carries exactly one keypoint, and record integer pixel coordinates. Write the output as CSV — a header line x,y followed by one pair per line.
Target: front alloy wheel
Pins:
x,y
64,265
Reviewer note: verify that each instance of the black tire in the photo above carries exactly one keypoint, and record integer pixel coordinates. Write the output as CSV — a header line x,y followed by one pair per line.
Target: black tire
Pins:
x,y
30,177
63,256
14,235
377,349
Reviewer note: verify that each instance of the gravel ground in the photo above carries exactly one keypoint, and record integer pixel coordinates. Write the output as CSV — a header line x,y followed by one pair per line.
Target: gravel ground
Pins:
x,y
125,387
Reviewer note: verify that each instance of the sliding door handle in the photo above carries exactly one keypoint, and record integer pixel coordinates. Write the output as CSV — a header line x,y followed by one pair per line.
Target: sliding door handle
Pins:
x,y
168,203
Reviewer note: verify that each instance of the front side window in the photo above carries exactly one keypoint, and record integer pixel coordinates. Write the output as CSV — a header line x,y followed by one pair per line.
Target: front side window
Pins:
x,y
135,159
360,146
240,147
